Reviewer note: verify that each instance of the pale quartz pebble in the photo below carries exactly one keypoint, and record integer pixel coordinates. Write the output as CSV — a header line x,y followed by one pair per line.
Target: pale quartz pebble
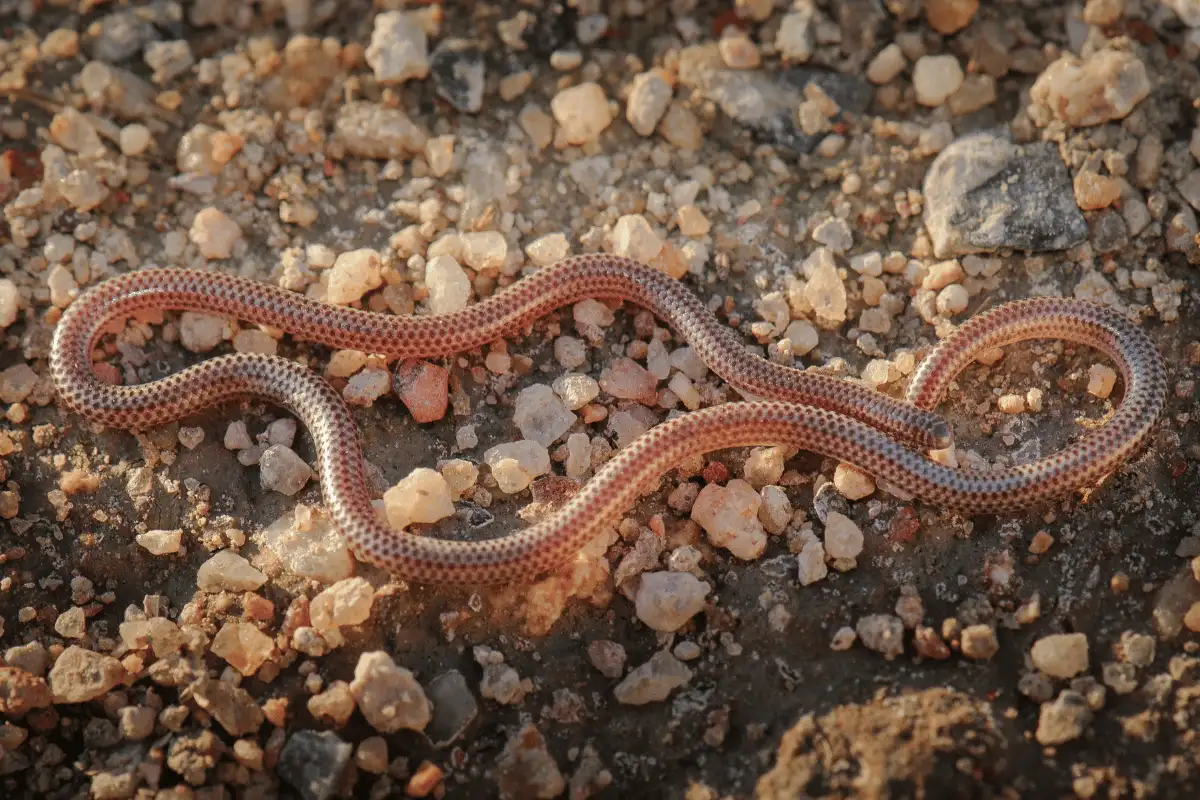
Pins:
x,y
979,642
226,571
776,510
843,539
548,249
797,34
681,128
62,285
160,542
367,386
626,426
17,383
581,112
345,603
729,515
764,466
439,154
422,496
537,125
946,455
665,601
683,388
1034,398
281,470
353,275
460,476
1104,86
540,414
737,49
449,287
691,221
943,274
200,333
1011,403
633,237
886,65
579,455
658,363
649,96
388,695
835,234
309,545
254,341
625,379
592,312
155,633
1101,380
479,250
80,675
214,233
466,438
344,363
399,49
10,303
882,633
824,291
372,755
870,264
1063,720
811,559
282,431
71,624
689,363
843,639
878,372
569,351
802,335
653,681
851,483
1061,655
516,464
243,646
237,437
935,78
576,391
952,300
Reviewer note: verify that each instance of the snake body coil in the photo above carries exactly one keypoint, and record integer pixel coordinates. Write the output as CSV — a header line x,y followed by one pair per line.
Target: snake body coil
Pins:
x,y
833,417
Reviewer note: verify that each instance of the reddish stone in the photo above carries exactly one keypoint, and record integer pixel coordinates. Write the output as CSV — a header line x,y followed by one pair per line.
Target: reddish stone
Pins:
x,y
904,526
424,389
715,472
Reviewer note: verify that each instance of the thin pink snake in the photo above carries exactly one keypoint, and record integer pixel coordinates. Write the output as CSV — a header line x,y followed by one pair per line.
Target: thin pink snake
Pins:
x,y
833,417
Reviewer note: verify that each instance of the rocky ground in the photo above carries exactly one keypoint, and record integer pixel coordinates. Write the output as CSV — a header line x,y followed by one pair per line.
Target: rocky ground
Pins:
x,y
842,182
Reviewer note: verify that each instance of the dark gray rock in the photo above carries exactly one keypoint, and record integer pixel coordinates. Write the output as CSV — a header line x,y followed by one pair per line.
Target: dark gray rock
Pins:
x,y
984,192
765,102
121,36
454,707
458,74
1109,232
313,763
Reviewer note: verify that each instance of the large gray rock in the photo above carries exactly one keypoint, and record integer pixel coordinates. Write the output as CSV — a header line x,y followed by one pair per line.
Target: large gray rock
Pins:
x,y
313,763
984,192
765,102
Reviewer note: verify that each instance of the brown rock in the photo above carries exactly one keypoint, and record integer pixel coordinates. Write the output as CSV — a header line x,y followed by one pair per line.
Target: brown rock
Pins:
x,y
424,389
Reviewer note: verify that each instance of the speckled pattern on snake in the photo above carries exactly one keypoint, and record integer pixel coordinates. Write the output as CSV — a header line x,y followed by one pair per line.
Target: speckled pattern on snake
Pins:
x,y
836,418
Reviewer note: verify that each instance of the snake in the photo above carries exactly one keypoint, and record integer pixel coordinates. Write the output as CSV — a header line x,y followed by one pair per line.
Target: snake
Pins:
x,y
885,437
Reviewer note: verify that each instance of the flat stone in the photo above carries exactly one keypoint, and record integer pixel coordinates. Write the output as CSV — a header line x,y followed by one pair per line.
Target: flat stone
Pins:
x,y
984,193
454,708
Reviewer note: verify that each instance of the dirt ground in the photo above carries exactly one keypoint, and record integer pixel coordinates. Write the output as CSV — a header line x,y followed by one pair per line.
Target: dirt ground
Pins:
x,y
770,707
